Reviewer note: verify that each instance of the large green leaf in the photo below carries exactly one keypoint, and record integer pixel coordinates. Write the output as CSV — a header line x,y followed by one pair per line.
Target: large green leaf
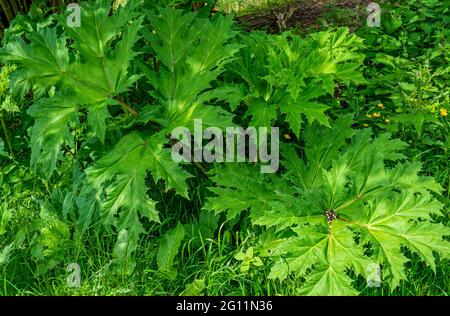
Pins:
x,y
168,250
347,204
86,66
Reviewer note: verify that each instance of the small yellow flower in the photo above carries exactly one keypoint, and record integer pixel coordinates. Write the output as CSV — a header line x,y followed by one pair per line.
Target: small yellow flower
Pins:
x,y
381,105
366,125
369,115
376,114
287,136
443,112
387,120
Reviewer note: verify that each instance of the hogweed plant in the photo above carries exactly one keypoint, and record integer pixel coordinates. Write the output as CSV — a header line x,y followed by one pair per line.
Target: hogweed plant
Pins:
x,y
345,202
115,97
231,148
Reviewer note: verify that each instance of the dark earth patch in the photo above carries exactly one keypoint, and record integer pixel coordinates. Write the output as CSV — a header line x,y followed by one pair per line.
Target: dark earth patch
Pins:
x,y
305,13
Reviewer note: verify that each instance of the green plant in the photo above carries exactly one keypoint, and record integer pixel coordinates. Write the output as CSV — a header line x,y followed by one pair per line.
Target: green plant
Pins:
x,y
347,211
83,82
336,208
407,57
248,259
282,77
7,105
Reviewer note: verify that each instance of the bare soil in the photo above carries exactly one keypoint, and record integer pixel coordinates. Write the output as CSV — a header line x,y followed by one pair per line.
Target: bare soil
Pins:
x,y
299,13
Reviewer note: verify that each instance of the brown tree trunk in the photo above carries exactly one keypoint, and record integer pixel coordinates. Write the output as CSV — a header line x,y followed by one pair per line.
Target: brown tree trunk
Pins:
x,y
14,7
2,27
7,10
25,5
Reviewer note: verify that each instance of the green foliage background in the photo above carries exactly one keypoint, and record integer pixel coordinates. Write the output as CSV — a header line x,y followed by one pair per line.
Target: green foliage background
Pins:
x,y
86,174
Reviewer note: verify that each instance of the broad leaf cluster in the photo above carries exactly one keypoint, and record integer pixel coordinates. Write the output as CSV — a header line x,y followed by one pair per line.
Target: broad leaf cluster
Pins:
x,y
346,202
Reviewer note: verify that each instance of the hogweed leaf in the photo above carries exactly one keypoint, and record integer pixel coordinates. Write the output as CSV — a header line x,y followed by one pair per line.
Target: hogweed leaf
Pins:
x,y
168,250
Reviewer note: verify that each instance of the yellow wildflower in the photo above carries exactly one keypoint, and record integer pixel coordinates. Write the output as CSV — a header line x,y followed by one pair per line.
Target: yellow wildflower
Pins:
x,y
366,125
443,112
287,136
369,115
376,114
387,120
381,105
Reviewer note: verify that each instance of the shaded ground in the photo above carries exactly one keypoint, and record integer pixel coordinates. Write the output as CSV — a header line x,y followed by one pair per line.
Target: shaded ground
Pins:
x,y
305,13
